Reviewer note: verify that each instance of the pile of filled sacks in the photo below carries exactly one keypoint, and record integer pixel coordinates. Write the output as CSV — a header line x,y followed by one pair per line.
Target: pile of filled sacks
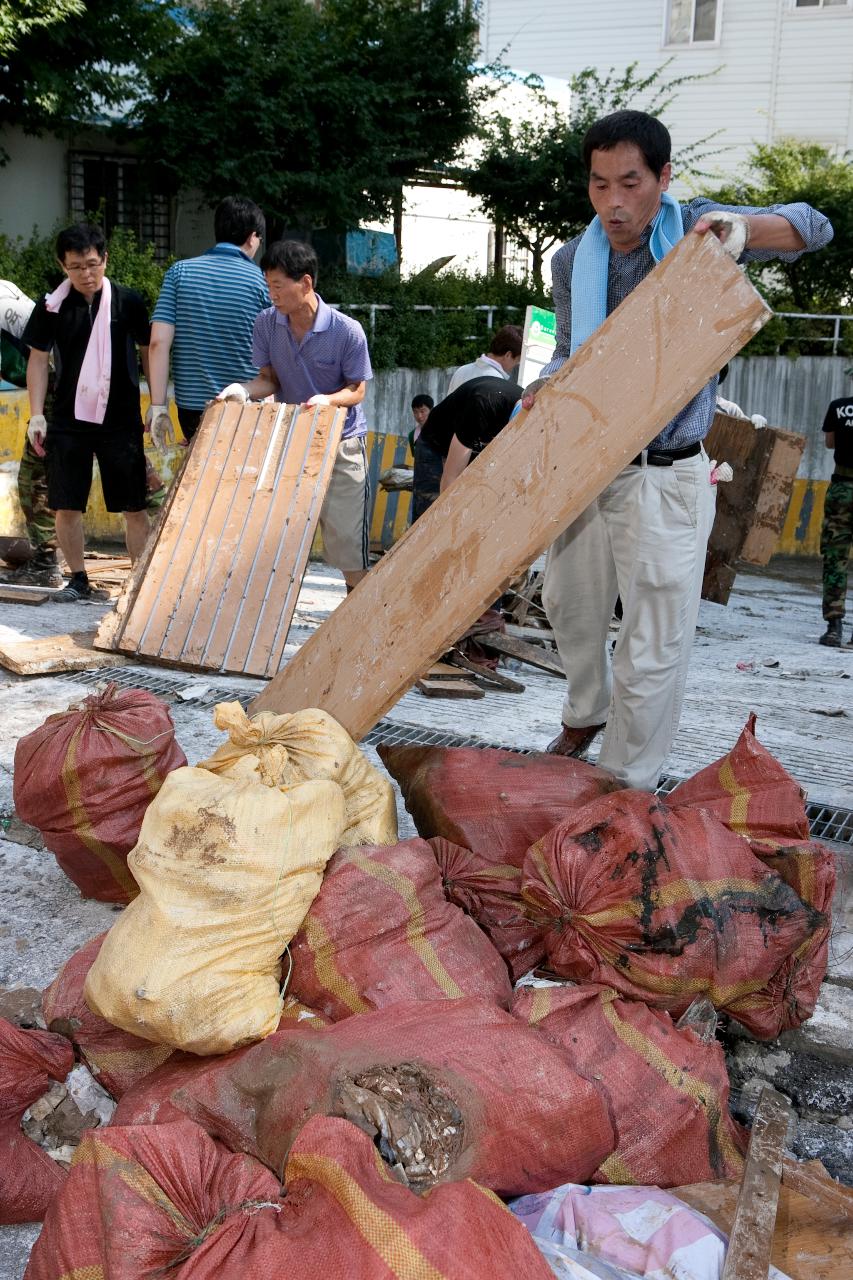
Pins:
x,y
308,1025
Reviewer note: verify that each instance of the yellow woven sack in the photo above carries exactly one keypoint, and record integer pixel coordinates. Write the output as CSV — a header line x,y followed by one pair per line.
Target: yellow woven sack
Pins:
x,y
283,750
227,869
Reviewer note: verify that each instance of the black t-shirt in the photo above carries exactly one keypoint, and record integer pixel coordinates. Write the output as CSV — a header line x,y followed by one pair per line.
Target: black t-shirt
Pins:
x,y
839,418
475,412
66,332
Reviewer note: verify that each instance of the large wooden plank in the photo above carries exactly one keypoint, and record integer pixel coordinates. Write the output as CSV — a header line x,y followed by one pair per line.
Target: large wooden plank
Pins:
x,y
678,327
751,508
221,576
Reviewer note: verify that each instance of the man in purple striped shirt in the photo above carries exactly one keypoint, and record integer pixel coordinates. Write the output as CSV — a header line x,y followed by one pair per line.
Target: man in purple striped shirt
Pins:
x,y
311,355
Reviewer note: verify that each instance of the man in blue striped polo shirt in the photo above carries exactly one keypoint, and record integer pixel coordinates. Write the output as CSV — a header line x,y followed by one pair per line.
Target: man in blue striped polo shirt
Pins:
x,y
309,354
204,317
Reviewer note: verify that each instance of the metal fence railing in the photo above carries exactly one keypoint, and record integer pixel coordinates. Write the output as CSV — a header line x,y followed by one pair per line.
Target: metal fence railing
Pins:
x,y
834,337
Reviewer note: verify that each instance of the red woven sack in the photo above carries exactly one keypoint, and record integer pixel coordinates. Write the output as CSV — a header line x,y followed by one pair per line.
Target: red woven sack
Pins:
x,y
142,1203
750,792
118,1060
668,1089
460,1081
663,905
381,930
29,1179
491,894
85,778
495,804
791,994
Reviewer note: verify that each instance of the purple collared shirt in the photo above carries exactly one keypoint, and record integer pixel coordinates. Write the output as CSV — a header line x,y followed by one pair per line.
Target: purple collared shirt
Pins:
x,y
332,354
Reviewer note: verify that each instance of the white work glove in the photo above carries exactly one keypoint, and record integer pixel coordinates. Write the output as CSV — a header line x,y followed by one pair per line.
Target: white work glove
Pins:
x,y
758,422
36,432
731,229
234,391
316,402
159,425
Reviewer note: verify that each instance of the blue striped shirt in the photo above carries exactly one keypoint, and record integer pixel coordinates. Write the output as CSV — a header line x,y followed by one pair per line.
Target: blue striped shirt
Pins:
x,y
212,302
626,270
332,354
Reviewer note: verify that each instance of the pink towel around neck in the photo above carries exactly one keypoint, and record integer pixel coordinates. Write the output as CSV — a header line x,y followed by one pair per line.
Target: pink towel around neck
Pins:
x,y
93,384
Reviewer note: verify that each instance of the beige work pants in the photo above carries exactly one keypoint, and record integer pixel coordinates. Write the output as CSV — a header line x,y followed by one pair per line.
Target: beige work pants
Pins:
x,y
644,539
345,514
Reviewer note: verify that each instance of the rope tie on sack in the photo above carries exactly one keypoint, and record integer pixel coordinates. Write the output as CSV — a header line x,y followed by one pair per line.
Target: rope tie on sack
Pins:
x,y
249,1207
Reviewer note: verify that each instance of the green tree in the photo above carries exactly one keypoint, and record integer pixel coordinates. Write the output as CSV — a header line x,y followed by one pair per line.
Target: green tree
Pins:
x,y
320,112
791,171
531,179
18,18
64,63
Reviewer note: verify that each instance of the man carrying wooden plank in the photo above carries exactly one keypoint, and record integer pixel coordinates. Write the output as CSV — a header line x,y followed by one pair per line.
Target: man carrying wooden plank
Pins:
x,y
309,354
644,538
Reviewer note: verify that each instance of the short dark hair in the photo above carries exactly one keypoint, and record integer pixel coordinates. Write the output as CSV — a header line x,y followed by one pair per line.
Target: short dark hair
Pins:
x,y
419,401
507,340
80,238
293,258
235,219
644,131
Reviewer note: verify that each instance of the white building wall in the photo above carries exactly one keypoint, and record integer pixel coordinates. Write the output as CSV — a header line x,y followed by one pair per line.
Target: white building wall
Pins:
x,y
33,184
781,72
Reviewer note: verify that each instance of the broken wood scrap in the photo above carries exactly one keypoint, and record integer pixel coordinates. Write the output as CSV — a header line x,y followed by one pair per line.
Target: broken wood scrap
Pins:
x,y
443,671
693,312
751,1239
535,634
532,654
485,675
73,652
10,593
810,1178
448,688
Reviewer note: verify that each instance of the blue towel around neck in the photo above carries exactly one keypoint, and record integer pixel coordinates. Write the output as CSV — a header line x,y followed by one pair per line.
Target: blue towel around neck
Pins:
x,y
589,269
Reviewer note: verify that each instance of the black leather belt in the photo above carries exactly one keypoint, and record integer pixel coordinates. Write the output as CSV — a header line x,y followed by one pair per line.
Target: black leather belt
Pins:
x,y
666,457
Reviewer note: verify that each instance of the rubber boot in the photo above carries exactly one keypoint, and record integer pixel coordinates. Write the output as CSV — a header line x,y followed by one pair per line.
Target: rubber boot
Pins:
x,y
41,571
832,636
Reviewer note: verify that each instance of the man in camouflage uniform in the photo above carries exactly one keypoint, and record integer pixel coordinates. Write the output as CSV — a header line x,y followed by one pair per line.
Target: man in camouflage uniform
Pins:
x,y
43,569
836,535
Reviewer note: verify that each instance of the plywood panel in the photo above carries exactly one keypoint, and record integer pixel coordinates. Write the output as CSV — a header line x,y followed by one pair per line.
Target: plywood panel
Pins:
x,y
220,580
813,1239
691,314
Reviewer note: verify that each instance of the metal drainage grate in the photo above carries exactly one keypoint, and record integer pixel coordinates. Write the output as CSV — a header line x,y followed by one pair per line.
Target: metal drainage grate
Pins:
x,y
168,686
827,822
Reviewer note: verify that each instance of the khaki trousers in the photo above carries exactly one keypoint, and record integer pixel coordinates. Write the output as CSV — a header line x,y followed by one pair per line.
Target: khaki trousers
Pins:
x,y
643,539
345,514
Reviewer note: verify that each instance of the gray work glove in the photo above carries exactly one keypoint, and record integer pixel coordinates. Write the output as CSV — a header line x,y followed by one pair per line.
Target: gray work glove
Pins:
x,y
159,425
36,432
731,229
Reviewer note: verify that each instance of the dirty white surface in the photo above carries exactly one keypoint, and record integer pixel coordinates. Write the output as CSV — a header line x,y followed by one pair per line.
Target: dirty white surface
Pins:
x,y
801,692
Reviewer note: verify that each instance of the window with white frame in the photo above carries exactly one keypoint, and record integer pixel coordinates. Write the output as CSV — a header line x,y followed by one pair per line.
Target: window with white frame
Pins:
x,y
821,4
693,21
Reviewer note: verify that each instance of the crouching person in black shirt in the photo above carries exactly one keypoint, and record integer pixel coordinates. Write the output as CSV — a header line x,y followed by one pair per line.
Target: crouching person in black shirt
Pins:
x,y
93,328
462,424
